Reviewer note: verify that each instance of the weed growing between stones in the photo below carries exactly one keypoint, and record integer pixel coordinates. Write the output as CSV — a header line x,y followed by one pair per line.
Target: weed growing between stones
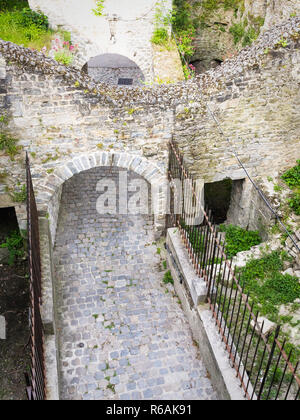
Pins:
x,y
168,278
292,179
8,143
23,26
14,243
267,286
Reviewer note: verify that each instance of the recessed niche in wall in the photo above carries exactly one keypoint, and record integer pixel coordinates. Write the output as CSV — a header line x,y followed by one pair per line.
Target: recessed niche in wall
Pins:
x,y
217,196
125,82
8,222
114,69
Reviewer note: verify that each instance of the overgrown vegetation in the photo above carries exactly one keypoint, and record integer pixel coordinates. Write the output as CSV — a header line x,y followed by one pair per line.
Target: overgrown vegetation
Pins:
x,y
23,26
184,29
15,245
239,239
267,286
19,194
243,33
292,179
8,143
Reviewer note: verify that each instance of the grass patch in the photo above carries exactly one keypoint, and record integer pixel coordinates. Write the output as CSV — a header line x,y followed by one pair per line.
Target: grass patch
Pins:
x,y
268,288
168,278
8,144
238,239
292,179
15,245
23,26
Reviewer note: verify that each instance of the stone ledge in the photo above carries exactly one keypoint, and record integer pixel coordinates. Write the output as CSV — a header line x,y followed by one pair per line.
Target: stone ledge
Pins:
x,y
212,350
196,285
48,312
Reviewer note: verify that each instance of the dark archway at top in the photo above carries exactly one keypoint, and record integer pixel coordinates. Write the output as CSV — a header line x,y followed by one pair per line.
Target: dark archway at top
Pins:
x,y
114,69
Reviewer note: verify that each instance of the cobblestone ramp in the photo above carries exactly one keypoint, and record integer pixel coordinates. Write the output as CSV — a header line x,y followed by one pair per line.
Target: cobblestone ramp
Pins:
x,y
122,333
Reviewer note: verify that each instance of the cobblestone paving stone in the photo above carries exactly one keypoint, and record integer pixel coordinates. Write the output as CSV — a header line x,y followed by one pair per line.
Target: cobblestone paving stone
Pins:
x,y
122,332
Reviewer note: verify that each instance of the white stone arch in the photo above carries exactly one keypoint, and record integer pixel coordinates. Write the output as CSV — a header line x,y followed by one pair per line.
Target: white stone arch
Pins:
x,y
48,194
88,52
102,68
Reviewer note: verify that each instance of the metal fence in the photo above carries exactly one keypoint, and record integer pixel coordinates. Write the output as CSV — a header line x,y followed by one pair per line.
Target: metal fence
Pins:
x,y
264,362
35,380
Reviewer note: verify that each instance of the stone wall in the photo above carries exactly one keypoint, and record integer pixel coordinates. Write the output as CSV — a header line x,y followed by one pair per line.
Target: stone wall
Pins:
x,y
125,28
272,11
111,75
59,114
214,40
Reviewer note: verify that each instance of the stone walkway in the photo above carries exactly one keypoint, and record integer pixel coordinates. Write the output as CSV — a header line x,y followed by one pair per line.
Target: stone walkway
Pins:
x,y
122,332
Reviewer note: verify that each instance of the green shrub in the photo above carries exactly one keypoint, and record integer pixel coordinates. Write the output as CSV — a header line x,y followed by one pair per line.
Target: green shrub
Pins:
x,y
238,32
292,179
294,203
31,18
15,245
269,288
160,37
238,239
13,4
12,29
292,176
64,58
168,278
250,36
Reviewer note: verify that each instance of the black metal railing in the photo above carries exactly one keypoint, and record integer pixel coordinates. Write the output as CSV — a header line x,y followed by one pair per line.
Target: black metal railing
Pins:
x,y
264,362
35,380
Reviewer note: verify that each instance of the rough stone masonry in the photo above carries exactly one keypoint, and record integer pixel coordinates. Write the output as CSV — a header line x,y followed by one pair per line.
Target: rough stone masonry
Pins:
x,y
58,114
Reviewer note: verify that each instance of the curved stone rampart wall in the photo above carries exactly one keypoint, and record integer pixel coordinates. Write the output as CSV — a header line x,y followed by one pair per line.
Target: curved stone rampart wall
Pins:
x,y
57,114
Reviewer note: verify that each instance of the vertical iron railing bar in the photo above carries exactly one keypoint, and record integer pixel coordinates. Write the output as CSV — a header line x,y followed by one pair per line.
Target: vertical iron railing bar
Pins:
x,y
297,395
36,387
217,284
269,362
232,312
203,249
254,358
248,349
290,366
225,297
259,370
283,374
245,339
290,384
275,371
210,298
229,302
236,323
221,294
212,269
207,248
241,329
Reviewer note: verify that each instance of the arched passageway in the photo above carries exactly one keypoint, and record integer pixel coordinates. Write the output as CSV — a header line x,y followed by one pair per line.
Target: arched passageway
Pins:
x,y
122,332
114,69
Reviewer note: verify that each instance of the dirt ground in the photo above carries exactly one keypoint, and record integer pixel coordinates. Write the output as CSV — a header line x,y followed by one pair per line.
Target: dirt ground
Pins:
x,y
14,303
